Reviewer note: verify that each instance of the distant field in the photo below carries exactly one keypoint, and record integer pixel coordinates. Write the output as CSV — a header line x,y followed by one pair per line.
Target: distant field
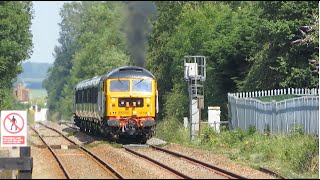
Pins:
x,y
37,93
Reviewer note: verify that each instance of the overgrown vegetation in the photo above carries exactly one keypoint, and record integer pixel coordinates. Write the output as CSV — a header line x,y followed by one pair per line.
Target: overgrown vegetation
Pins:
x,y
294,156
277,98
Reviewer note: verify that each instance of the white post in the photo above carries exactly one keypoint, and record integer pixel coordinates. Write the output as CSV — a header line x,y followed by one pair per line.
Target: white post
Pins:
x,y
214,117
185,122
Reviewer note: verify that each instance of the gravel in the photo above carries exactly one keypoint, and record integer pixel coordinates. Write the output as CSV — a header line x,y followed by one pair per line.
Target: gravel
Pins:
x,y
180,165
131,166
219,160
45,165
80,166
156,142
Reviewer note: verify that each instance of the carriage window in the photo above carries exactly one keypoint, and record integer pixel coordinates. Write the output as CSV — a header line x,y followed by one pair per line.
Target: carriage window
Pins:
x,y
142,85
119,85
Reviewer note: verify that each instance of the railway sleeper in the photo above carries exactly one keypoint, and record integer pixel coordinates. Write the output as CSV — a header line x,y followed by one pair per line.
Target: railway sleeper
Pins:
x,y
65,146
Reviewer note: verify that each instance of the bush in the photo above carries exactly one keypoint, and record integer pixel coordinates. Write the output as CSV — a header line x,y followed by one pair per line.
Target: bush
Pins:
x,y
173,131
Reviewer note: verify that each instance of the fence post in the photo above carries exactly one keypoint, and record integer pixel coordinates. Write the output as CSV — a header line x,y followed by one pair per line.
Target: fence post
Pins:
x,y
273,115
25,174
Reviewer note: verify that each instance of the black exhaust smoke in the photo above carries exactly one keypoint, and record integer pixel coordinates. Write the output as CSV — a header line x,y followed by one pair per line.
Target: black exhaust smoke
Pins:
x,y
137,27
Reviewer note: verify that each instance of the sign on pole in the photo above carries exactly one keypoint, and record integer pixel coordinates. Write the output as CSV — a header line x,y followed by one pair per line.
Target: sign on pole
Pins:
x,y
13,128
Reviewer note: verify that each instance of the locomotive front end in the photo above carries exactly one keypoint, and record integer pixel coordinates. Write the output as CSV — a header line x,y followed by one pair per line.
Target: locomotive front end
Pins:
x,y
131,104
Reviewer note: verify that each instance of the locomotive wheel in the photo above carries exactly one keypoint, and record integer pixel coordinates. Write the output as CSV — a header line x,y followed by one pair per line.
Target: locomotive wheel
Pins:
x,y
81,126
142,139
96,129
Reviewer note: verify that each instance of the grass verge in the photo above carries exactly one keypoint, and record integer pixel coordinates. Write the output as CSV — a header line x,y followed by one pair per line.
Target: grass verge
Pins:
x,y
294,156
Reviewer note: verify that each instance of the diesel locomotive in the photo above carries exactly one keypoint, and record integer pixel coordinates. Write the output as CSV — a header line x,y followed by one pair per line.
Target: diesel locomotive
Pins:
x,y
121,103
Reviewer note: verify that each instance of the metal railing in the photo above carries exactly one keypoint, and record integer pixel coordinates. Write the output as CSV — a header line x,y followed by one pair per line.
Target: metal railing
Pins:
x,y
275,117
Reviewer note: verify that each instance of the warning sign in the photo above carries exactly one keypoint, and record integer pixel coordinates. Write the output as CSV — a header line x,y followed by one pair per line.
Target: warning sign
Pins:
x,y
13,128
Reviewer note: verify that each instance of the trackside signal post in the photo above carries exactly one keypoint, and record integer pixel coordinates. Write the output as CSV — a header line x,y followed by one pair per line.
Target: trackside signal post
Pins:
x,y
195,75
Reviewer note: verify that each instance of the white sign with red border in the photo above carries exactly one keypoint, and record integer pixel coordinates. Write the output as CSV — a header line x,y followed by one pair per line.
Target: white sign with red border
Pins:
x,y
13,128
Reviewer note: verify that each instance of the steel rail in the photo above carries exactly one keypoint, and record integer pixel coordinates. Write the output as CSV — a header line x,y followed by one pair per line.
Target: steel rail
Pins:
x,y
65,172
101,162
175,172
216,169
268,171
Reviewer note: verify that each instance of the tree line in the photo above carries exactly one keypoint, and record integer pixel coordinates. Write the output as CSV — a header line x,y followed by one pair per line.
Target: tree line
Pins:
x,y
15,45
249,46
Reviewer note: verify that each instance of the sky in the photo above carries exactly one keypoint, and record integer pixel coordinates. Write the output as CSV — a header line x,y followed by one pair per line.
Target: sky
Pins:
x,y
45,30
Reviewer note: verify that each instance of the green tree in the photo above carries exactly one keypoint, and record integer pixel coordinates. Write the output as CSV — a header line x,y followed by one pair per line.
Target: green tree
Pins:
x,y
222,33
71,14
15,45
89,47
159,59
279,61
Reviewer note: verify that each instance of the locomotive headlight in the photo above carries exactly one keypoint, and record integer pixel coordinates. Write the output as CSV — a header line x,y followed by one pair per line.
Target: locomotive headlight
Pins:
x,y
148,100
122,102
113,99
139,102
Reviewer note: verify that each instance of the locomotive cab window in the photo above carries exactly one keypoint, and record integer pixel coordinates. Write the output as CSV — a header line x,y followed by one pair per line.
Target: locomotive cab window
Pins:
x,y
119,85
142,85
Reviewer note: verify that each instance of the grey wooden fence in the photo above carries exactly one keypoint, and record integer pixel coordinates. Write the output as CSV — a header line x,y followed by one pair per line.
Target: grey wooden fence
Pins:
x,y
24,163
278,117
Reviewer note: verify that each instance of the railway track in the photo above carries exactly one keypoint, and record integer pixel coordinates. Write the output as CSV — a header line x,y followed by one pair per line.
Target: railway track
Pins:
x,y
223,173
217,170
80,153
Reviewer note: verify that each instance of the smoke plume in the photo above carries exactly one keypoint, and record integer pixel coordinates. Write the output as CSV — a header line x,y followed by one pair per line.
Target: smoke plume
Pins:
x,y
137,27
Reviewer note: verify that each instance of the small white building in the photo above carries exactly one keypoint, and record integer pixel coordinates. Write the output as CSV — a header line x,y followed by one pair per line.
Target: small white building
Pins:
x,y
40,114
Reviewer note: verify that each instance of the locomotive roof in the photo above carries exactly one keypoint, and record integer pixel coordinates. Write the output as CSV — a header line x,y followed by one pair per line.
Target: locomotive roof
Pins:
x,y
129,72
88,82
122,72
